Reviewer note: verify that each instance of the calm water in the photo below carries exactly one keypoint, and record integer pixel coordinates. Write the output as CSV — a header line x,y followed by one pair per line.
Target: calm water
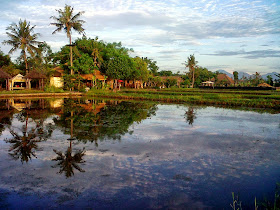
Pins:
x,y
83,153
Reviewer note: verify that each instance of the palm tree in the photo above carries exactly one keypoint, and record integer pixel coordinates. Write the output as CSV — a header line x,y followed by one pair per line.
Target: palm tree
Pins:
x,y
67,21
22,37
191,64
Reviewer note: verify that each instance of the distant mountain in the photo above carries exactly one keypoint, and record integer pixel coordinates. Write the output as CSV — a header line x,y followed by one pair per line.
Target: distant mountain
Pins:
x,y
242,74
273,75
225,72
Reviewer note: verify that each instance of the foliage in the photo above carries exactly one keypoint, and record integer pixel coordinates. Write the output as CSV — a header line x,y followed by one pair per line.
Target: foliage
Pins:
x,y
165,73
152,65
140,71
83,64
71,81
52,89
170,82
5,60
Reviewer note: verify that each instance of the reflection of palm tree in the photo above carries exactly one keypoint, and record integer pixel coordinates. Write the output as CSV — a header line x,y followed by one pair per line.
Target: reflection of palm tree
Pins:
x,y
67,162
23,146
190,115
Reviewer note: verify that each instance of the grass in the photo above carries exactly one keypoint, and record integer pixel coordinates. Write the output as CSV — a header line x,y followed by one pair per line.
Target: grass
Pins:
x,y
255,99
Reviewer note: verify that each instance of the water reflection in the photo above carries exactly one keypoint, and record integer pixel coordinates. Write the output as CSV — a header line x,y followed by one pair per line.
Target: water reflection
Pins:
x,y
102,154
93,120
190,115
68,161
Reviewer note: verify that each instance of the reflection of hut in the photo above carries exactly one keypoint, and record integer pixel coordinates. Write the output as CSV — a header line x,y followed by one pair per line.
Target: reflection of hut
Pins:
x,y
19,104
35,80
4,80
57,79
18,82
93,107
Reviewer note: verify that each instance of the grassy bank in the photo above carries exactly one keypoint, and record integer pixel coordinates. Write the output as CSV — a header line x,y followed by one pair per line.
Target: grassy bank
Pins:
x,y
256,99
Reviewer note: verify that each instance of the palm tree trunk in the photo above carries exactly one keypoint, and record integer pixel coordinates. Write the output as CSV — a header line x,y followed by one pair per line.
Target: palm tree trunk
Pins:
x,y
25,60
193,78
71,55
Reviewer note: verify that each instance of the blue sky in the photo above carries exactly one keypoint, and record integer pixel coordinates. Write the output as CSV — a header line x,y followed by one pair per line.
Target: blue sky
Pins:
x,y
222,34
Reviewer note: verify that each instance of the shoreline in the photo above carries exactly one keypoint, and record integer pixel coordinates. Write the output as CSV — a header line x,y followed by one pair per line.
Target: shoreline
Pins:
x,y
40,95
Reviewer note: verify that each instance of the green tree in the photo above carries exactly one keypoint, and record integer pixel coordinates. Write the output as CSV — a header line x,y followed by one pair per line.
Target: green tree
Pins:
x,y
67,21
257,79
165,73
5,60
235,77
22,37
269,80
191,64
152,65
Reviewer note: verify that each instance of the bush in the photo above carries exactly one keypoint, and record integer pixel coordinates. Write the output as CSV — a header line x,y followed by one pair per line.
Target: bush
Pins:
x,y
53,89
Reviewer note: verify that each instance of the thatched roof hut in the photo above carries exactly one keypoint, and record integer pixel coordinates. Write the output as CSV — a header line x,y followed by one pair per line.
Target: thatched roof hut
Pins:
x,y
264,85
35,79
223,79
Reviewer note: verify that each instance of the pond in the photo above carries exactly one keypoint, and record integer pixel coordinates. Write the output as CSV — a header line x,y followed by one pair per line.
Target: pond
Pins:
x,y
107,154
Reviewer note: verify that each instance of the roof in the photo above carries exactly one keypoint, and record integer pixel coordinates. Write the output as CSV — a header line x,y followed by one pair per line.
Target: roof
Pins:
x,y
87,76
264,85
221,77
208,82
35,75
4,75
99,75
18,76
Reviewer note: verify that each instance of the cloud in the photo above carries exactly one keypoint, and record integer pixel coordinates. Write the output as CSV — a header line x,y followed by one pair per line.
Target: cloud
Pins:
x,y
249,54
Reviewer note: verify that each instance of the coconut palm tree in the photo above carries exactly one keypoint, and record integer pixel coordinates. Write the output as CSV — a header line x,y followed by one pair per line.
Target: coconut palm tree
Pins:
x,y
22,37
191,64
67,21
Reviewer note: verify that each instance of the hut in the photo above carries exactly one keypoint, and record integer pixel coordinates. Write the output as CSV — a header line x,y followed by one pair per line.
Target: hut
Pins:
x,y
264,85
18,82
56,79
35,80
208,84
4,80
91,79
223,80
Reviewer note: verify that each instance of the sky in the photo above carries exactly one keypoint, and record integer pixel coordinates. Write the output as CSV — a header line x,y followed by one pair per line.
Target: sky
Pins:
x,y
233,35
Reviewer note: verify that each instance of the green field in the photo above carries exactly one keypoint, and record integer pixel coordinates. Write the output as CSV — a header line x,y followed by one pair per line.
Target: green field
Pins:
x,y
256,99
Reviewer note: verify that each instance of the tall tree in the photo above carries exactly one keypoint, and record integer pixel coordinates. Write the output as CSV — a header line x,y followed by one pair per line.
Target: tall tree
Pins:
x,y
235,76
191,64
22,37
67,21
